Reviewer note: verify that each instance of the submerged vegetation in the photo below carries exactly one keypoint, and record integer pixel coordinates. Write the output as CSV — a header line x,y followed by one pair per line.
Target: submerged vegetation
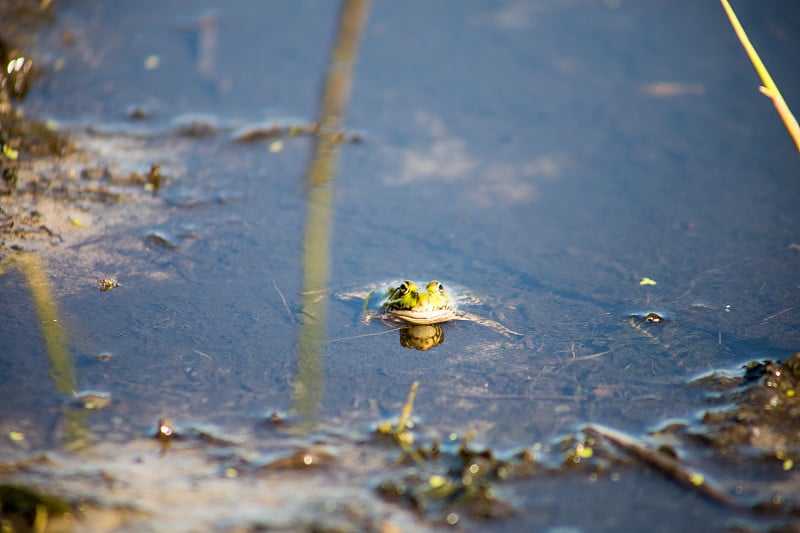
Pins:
x,y
44,177
749,427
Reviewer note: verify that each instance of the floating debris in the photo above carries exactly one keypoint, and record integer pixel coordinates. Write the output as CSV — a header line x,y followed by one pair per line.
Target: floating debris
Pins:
x,y
107,284
290,128
91,400
152,62
653,318
752,427
18,73
301,459
444,481
154,178
138,112
10,153
271,130
648,317
165,431
161,239
104,357
279,419
196,125
763,414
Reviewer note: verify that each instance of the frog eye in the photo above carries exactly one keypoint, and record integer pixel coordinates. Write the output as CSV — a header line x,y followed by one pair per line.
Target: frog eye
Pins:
x,y
404,288
435,286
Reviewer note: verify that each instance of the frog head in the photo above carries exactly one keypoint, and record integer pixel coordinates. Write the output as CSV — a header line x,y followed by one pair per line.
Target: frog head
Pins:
x,y
406,303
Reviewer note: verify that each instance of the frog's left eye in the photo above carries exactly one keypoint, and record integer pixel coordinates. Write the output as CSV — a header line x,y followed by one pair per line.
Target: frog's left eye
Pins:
x,y
435,286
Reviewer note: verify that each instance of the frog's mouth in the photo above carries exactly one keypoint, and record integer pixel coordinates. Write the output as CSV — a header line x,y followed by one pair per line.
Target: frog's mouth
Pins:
x,y
422,316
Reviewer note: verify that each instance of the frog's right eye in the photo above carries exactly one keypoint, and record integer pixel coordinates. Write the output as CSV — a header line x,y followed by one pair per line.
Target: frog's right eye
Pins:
x,y
403,288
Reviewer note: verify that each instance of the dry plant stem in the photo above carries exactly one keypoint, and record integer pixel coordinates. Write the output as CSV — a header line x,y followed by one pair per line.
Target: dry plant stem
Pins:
x,y
408,407
769,89
783,110
667,465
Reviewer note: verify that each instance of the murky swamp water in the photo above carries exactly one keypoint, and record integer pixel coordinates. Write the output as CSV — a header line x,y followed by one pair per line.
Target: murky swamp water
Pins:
x,y
551,157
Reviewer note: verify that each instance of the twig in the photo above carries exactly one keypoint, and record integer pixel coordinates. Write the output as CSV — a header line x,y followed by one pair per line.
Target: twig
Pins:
x,y
408,407
773,315
283,300
663,463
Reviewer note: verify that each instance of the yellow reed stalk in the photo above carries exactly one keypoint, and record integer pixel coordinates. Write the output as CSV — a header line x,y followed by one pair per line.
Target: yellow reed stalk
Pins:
x,y
769,89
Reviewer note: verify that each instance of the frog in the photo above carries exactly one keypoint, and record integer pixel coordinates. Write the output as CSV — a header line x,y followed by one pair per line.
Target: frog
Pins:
x,y
406,303
423,304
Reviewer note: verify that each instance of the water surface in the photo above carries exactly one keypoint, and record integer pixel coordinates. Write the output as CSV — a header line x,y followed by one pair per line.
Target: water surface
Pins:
x,y
547,155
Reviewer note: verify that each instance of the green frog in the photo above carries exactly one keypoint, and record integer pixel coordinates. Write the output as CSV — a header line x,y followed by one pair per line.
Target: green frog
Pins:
x,y
408,303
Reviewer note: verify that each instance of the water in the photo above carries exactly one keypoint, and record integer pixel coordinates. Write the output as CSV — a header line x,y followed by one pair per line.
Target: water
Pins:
x,y
549,156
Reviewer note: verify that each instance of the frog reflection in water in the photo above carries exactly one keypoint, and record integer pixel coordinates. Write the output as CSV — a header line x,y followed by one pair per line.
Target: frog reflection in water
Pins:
x,y
421,337
406,303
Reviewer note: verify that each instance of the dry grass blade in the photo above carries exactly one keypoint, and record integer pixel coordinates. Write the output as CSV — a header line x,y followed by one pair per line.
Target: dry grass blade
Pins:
x,y
769,89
